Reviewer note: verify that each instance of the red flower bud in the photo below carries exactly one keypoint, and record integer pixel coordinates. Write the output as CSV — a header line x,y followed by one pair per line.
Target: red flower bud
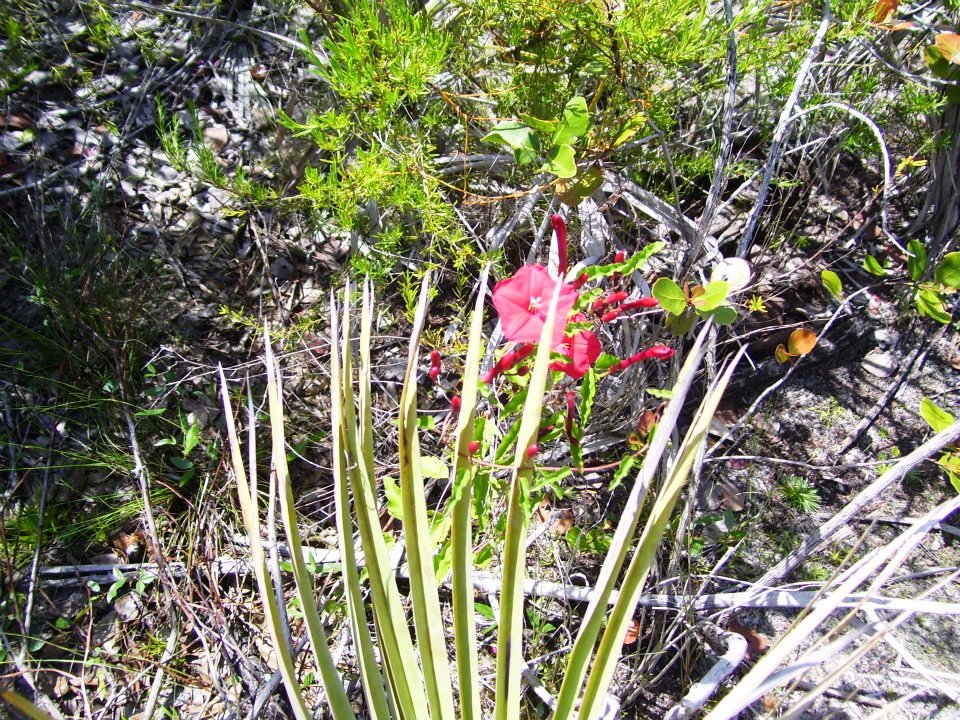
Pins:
x,y
532,451
523,370
473,447
655,352
455,403
434,372
620,256
611,315
611,299
580,281
659,352
560,228
435,357
647,302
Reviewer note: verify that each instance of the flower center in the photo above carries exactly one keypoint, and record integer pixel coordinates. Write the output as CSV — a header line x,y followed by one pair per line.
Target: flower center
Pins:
x,y
534,304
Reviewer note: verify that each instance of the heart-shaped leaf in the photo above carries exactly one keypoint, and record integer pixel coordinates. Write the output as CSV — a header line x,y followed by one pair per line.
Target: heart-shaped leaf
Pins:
x,y
517,136
948,271
547,127
680,325
917,262
930,305
573,192
781,354
671,296
936,417
712,296
631,128
574,123
722,315
873,266
561,161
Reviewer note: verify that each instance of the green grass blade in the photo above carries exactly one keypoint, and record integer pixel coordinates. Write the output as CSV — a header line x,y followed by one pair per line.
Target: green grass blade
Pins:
x,y
333,686
258,561
622,612
396,647
596,614
377,704
464,623
513,570
416,527
24,706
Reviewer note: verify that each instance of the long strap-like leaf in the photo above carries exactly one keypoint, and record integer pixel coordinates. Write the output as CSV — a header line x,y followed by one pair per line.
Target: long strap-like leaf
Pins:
x,y
393,637
330,678
596,614
258,560
608,653
464,622
416,527
513,570
377,705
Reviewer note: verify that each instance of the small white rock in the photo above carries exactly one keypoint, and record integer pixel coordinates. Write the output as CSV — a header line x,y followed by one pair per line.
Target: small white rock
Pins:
x,y
880,363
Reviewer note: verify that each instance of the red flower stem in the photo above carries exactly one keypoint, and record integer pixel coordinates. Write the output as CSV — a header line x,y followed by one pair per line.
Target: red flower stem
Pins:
x,y
568,424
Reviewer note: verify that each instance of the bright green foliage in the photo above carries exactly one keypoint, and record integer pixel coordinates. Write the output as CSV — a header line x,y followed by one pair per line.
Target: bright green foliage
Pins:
x,y
375,178
556,137
685,304
831,281
381,55
939,419
799,493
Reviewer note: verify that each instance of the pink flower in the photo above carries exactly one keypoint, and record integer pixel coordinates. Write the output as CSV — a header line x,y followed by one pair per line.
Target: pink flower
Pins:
x,y
523,301
582,351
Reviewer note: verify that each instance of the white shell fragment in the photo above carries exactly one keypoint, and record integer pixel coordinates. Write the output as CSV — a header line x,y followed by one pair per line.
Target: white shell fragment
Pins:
x,y
735,271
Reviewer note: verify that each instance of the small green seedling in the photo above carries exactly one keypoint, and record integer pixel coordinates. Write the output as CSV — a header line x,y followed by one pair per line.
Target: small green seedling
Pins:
x,y
684,304
939,420
931,298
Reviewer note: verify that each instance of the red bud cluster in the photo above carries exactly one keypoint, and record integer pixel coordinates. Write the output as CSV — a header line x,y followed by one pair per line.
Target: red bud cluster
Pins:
x,y
434,371
507,362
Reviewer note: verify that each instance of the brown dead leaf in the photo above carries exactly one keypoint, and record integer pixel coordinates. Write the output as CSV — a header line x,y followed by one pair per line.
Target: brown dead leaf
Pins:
x,y
563,523
802,341
732,497
15,121
757,644
948,44
884,10
633,632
